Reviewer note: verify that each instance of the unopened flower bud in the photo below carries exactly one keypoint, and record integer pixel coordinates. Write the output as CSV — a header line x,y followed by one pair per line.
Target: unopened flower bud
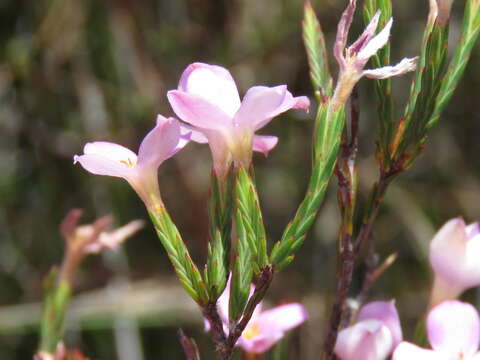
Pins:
x,y
454,256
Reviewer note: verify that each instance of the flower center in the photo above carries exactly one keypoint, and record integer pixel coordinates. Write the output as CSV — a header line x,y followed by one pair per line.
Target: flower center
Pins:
x,y
251,331
129,162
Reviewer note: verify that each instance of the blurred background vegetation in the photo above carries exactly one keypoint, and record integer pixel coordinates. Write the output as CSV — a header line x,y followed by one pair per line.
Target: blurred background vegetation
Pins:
x,y
74,71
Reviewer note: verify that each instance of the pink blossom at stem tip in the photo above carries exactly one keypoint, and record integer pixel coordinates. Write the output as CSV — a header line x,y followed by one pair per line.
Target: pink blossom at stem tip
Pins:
x,y
352,60
110,159
207,100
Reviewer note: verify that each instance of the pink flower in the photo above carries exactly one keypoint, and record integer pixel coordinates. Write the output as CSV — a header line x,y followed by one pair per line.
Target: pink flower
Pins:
x,y
207,98
374,336
105,158
353,59
453,330
454,256
265,328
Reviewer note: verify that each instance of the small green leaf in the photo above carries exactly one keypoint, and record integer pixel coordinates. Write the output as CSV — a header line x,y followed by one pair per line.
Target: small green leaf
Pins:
x,y
215,272
186,270
314,41
327,136
240,282
249,221
461,56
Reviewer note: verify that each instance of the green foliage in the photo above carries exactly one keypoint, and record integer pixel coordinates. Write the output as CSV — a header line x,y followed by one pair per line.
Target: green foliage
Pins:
x,y
251,253
314,42
461,56
241,279
329,125
186,270
410,134
220,224
383,88
215,271
57,296
248,217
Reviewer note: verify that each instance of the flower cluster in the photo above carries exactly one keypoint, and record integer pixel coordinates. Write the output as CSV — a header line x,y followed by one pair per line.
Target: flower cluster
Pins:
x,y
453,327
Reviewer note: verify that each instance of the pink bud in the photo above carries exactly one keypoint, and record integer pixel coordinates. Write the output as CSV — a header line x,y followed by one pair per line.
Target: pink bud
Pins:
x,y
454,258
374,336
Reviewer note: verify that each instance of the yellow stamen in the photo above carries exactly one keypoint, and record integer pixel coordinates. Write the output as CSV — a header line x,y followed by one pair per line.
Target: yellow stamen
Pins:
x,y
129,162
251,331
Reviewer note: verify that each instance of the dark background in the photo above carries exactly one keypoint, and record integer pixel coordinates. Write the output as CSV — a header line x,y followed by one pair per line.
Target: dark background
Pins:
x,y
74,71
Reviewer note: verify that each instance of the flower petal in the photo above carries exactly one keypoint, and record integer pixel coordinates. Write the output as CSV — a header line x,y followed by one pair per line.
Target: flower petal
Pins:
x,y
212,83
454,328
386,312
261,103
472,230
160,143
198,111
195,134
260,343
104,158
407,351
342,32
454,257
366,35
376,43
110,150
282,318
404,66
264,143
366,340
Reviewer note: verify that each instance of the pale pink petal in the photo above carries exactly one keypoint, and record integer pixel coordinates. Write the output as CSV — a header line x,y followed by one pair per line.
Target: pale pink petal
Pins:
x,y
366,340
212,83
264,143
386,312
262,103
301,102
103,158
404,66
260,343
407,351
454,257
342,32
375,44
282,318
111,240
366,35
109,150
453,328
472,230
198,111
160,143
195,134
100,165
